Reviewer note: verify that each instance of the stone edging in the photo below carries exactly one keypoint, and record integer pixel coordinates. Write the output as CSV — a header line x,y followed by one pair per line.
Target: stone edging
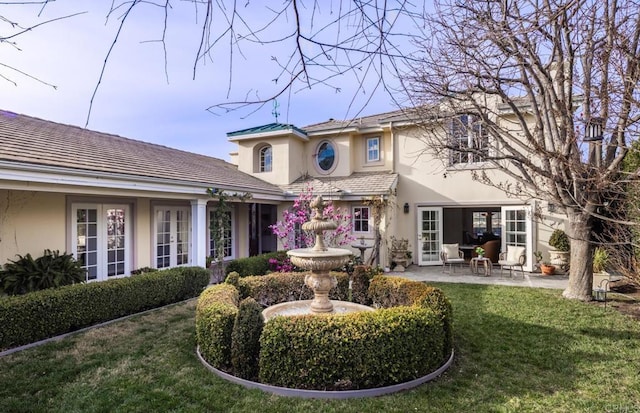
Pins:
x,y
320,394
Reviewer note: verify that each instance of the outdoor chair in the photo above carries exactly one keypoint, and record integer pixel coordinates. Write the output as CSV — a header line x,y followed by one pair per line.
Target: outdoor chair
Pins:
x,y
451,255
513,257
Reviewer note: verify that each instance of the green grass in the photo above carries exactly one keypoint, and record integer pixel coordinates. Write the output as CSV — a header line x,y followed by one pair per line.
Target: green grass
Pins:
x,y
517,350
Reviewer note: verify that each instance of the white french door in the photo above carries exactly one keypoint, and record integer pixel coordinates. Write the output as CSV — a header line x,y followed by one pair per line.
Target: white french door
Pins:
x,y
101,239
172,236
429,235
517,230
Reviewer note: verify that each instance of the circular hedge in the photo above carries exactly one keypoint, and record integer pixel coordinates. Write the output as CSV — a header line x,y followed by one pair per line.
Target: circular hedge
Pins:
x,y
408,336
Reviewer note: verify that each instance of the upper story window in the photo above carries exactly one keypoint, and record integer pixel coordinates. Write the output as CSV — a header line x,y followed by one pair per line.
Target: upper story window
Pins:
x,y
266,159
469,140
326,156
360,219
373,149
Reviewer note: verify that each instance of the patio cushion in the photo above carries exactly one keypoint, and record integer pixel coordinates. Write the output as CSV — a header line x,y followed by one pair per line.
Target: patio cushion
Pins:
x,y
450,250
514,253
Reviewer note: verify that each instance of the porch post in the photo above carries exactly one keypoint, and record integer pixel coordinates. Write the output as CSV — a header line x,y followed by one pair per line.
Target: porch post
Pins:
x,y
199,232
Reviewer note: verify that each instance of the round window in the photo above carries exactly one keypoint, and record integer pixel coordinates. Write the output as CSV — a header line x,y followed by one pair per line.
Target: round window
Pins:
x,y
326,156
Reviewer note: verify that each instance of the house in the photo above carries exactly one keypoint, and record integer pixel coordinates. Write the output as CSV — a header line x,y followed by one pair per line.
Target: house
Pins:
x,y
118,204
428,202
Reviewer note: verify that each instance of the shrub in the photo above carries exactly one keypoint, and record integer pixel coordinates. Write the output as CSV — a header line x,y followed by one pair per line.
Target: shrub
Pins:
x,y
337,352
41,314
353,351
360,279
51,270
256,265
394,291
280,287
245,339
600,259
233,278
215,315
559,240
143,270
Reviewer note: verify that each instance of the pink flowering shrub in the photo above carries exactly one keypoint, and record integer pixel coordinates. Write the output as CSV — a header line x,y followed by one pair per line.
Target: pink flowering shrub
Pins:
x,y
290,231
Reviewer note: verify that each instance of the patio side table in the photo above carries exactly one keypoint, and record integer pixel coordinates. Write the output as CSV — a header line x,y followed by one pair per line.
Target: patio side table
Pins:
x,y
486,263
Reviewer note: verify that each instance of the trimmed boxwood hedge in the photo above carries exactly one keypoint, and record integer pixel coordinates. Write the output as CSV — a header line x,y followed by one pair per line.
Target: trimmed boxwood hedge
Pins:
x,y
352,351
278,288
42,314
407,340
256,265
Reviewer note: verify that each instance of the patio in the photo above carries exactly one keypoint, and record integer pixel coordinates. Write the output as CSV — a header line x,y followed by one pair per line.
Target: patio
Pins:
x,y
465,275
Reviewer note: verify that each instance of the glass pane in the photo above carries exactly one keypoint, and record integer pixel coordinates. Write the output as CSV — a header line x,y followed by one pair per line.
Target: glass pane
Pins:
x,y
93,215
92,258
93,230
111,270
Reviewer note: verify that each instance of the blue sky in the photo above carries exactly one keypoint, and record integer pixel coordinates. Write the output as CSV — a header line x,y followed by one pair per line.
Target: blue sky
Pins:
x,y
134,99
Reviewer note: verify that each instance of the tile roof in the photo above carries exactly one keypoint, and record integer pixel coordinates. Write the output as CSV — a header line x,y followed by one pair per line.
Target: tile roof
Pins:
x,y
356,184
362,122
25,139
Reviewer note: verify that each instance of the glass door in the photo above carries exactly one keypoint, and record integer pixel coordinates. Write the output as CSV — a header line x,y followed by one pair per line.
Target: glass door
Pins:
x,y
172,236
429,235
517,230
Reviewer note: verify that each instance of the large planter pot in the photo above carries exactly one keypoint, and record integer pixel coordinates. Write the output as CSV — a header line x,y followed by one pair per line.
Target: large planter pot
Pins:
x,y
560,259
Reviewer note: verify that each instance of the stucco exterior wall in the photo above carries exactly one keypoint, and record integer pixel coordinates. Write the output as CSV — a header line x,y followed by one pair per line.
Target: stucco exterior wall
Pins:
x,y
31,222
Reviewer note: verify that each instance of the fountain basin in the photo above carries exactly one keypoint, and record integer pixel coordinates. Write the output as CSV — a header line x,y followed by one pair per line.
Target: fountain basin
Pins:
x,y
319,260
303,307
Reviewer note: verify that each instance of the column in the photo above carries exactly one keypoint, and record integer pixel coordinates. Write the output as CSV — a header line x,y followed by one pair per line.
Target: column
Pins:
x,y
199,232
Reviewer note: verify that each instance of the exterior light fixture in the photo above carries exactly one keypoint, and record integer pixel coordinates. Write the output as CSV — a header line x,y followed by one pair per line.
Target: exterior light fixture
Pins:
x,y
406,207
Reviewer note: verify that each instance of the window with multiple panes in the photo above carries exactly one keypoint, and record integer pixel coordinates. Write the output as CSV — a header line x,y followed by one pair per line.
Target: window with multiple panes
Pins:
x,y
227,237
266,159
360,219
468,139
172,236
101,239
373,149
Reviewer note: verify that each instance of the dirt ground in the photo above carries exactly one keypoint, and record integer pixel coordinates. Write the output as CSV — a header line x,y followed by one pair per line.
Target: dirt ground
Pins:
x,y
624,297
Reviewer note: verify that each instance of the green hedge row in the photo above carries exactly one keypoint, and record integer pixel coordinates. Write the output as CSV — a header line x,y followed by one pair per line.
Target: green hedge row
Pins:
x,y
215,315
355,351
389,292
277,288
256,265
42,314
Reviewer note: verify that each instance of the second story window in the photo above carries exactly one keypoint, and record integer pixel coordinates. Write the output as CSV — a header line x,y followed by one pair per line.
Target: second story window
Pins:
x,y
468,139
265,159
326,157
373,149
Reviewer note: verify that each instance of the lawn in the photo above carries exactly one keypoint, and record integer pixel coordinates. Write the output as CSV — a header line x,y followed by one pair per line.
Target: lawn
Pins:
x,y
517,349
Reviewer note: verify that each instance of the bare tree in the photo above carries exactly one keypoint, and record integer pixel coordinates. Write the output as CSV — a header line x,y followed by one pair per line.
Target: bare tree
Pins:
x,y
535,74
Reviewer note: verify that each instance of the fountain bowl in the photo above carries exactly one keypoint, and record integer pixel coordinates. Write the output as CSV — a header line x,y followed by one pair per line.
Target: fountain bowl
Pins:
x,y
303,307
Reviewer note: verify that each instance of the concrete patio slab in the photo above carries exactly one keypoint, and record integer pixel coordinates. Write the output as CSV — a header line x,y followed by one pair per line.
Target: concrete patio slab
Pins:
x,y
465,275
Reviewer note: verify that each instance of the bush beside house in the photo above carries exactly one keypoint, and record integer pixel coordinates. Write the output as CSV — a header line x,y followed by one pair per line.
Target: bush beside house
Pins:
x,y
42,314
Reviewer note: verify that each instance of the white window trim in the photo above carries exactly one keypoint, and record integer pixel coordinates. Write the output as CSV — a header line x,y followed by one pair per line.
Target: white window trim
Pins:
x,y
233,235
335,157
262,166
353,220
101,231
469,164
366,150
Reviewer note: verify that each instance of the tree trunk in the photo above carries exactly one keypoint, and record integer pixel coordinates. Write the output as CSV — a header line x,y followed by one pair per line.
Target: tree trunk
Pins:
x,y
581,264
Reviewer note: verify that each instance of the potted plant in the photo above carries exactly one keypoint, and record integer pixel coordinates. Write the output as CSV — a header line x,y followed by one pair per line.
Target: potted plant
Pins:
x,y
559,255
547,268
538,257
480,252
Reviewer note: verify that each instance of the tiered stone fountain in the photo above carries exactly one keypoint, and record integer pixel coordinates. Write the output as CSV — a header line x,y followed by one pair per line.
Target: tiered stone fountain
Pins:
x,y
319,260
